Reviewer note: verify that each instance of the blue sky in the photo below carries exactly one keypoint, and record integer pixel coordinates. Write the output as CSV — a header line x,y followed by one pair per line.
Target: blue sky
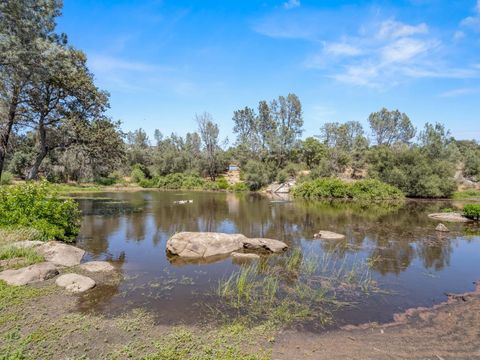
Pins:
x,y
165,60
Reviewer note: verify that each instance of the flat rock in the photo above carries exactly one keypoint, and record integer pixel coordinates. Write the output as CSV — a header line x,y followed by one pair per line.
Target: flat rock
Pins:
x,y
449,216
97,266
442,228
328,235
30,274
26,244
244,256
61,254
206,244
75,283
269,245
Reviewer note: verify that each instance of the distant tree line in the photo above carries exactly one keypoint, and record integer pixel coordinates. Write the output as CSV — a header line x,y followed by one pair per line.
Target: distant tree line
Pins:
x,y
53,125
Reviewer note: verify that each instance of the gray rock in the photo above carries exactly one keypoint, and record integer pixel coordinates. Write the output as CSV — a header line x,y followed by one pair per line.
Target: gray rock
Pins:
x,y
29,274
97,266
442,228
328,235
202,245
268,245
75,283
449,216
61,254
244,256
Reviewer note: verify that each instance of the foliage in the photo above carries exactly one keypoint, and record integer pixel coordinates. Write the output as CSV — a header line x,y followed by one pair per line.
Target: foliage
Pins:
x,y
466,194
239,187
390,127
6,178
255,175
472,211
137,175
222,183
38,206
332,188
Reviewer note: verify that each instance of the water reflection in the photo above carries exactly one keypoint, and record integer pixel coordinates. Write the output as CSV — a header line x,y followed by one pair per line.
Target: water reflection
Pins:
x,y
398,241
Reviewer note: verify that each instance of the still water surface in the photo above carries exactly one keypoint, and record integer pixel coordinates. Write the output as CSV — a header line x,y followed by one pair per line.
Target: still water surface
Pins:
x,y
410,261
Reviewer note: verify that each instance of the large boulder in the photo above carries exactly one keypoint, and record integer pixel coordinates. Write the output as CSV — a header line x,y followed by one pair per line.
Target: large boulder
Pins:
x,y
449,216
61,254
205,244
441,228
97,266
75,283
29,274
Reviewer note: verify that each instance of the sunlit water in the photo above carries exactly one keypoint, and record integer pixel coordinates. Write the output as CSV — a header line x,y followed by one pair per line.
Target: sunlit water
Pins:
x,y
415,265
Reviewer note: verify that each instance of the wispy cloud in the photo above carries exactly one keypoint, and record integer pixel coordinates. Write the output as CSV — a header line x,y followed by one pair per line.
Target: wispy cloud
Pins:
x,y
292,4
473,22
459,92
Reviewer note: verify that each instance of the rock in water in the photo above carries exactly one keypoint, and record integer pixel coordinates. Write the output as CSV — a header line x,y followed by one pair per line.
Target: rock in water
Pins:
x,y
449,216
328,235
29,274
442,228
202,245
97,266
61,254
75,283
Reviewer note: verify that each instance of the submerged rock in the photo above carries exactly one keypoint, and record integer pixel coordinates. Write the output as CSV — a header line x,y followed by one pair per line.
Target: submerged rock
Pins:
x,y
328,235
449,216
61,254
75,283
204,244
97,266
30,274
244,256
442,228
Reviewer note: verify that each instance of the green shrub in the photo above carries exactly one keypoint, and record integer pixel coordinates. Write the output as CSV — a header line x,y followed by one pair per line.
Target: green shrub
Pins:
x,y
239,187
149,183
333,188
38,206
255,175
6,178
222,183
110,180
137,174
472,211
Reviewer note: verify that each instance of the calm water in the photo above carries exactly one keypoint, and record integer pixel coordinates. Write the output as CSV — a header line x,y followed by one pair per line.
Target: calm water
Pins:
x,y
416,265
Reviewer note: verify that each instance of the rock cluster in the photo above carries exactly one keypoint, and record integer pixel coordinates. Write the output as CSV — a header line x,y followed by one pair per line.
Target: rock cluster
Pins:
x,y
56,255
194,245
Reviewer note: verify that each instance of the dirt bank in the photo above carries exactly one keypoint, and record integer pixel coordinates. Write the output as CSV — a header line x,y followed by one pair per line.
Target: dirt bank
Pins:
x,y
450,330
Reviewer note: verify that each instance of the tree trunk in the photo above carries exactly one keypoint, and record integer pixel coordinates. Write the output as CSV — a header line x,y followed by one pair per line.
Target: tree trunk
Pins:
x,y
42,152
5,133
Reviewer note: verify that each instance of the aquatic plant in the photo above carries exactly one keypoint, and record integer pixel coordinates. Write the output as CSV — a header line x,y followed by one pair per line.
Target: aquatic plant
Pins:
x,y
295,287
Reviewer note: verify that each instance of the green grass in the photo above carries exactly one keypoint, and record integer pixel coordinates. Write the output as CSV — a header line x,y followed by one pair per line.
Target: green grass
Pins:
x,y
13,234
297,287
15,295
184,344
25,257
472,211
466,194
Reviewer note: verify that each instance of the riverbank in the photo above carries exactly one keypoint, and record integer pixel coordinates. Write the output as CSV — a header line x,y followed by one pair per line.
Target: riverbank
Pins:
x,y
42,322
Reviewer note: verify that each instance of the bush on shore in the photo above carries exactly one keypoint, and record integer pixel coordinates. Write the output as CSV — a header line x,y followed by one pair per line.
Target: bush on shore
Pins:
x,y
38,206
472,211
332,188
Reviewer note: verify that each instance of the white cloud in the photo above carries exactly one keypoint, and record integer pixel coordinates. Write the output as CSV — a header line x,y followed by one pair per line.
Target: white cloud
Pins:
x,y
405,49
459,92
458,35
342,49
391,29
473,22
292,4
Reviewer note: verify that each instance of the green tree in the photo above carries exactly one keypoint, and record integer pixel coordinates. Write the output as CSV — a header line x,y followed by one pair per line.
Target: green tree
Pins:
x,y
390,127
26,29
312,152
209,132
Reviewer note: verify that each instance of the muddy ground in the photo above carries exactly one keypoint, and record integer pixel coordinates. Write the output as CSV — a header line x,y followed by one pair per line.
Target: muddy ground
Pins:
x,y
42,323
